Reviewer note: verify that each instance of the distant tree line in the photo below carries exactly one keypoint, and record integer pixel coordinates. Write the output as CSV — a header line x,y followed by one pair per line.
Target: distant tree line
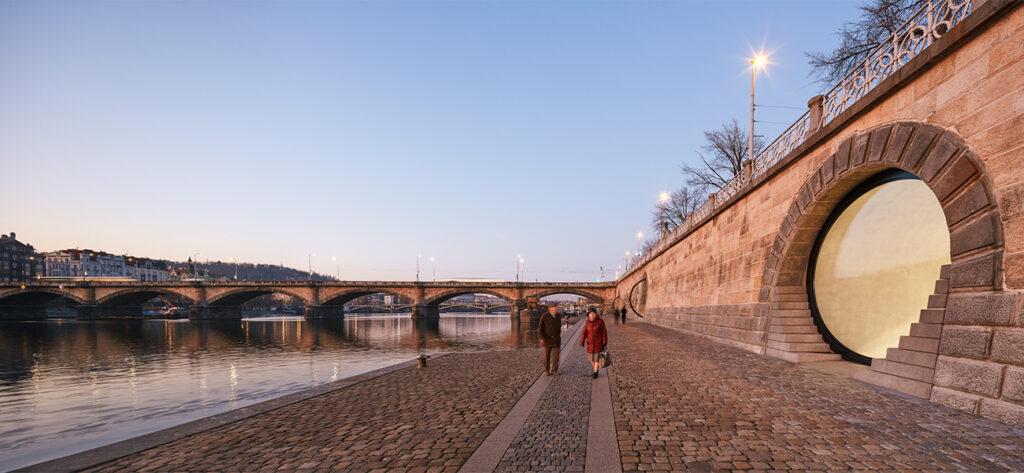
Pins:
x,y
250,271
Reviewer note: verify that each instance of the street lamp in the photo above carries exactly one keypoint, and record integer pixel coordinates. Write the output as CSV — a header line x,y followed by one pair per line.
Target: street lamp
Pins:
x,y
662,203
337,268
195,265
759,61
309,261
418,256
433,270
235,262
519,266
639,238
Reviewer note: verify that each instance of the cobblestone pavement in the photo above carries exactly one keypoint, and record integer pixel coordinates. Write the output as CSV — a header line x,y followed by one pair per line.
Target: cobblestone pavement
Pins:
x,y
554,438
410,420
685,403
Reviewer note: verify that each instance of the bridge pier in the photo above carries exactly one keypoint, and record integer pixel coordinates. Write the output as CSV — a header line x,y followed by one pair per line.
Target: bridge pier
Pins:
x,y
22,312
515,307
321,311
423,311
205,312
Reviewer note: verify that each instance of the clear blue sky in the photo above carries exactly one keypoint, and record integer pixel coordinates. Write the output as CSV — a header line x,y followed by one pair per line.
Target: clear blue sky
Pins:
x,y
466,131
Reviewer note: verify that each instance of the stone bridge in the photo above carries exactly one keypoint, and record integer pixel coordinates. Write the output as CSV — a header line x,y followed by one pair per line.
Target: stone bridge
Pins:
x,y
225,299
825,248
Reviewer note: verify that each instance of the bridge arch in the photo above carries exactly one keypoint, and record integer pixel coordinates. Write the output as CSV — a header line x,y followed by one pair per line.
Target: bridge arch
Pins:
x,y
138,296
436,299
32,303
239,296
342,298
966,225
542,293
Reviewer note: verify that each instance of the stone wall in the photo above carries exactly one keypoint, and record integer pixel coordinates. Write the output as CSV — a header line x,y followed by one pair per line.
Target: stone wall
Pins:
x,y
738,277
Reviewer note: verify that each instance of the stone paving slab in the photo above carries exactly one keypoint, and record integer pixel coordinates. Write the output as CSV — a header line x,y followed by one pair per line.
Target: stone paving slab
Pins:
x,y
411,420
686,403
554,438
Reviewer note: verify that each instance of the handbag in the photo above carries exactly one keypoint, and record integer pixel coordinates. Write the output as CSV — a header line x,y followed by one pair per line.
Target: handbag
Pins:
x,y
606,358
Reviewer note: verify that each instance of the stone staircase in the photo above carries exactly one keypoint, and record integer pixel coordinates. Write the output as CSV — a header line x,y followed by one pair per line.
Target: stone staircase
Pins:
x,y
792,335
910,367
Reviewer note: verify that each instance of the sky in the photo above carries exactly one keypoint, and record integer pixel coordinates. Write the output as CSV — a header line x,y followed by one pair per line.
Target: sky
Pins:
x,y
373,132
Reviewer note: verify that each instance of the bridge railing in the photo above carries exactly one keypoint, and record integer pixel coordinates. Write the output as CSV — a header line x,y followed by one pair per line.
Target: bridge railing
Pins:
x,y
929,22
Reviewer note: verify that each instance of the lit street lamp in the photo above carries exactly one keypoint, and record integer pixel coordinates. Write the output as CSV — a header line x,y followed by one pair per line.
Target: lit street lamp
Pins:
x,y
519,266
337,268
639,238
758,61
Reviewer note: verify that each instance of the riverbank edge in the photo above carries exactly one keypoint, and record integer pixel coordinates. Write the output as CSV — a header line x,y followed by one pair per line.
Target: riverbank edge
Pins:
x,y
103,454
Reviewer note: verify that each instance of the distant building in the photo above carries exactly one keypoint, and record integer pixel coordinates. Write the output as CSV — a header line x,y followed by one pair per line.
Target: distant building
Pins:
x,y
100,264
18,261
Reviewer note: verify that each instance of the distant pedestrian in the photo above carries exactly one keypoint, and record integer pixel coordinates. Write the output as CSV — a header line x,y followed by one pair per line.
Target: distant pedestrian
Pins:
x,y
595,338
549,331
623,314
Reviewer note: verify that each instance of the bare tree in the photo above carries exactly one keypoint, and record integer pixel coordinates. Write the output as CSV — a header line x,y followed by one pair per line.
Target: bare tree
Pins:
x,y
878,20
680,205
722,158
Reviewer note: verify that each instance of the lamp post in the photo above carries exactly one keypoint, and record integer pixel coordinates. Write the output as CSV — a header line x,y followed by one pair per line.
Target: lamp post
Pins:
x,y
639,238
418,256
309,261
662,202
758,61
235,262
337,268
195,265
519,266
433,270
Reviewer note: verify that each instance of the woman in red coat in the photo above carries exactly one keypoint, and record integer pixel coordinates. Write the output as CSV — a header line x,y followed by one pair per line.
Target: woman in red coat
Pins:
x,y
595,338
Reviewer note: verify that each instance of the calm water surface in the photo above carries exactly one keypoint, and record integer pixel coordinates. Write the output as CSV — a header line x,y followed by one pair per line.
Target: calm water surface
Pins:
x,y
66,386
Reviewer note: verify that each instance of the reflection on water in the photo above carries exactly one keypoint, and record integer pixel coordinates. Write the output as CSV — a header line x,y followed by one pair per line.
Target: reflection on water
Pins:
x,y
67,386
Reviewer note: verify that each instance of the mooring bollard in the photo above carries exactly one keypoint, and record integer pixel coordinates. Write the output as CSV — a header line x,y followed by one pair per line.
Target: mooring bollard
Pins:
x,y
421,359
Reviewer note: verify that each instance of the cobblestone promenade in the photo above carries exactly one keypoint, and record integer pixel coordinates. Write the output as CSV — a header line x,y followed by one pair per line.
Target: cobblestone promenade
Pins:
x,y
679,403
682,402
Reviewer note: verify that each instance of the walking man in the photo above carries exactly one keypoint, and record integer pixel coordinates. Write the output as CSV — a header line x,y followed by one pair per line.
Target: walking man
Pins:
x,y
549,330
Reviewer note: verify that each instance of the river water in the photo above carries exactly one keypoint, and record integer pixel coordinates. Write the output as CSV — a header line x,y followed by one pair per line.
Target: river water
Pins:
x,y
67,386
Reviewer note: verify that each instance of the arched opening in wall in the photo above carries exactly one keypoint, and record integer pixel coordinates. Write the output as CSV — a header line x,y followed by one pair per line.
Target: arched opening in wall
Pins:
x,y
37,305
485,303
875,262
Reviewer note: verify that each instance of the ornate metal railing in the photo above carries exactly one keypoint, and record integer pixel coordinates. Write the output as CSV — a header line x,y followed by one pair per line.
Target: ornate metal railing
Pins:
x,y
924,26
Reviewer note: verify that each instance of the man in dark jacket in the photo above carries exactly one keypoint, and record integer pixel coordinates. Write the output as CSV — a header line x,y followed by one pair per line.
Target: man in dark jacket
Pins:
x,y
549,330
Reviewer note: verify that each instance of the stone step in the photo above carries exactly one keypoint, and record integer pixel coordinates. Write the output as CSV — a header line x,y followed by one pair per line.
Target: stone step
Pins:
x,y
790,313
927,345
801,357
791,297
795,337
791,290
903,370
885,380
819,347
909,357
937,301
792,328
790,305
926,330
932,316
942,286
806,320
